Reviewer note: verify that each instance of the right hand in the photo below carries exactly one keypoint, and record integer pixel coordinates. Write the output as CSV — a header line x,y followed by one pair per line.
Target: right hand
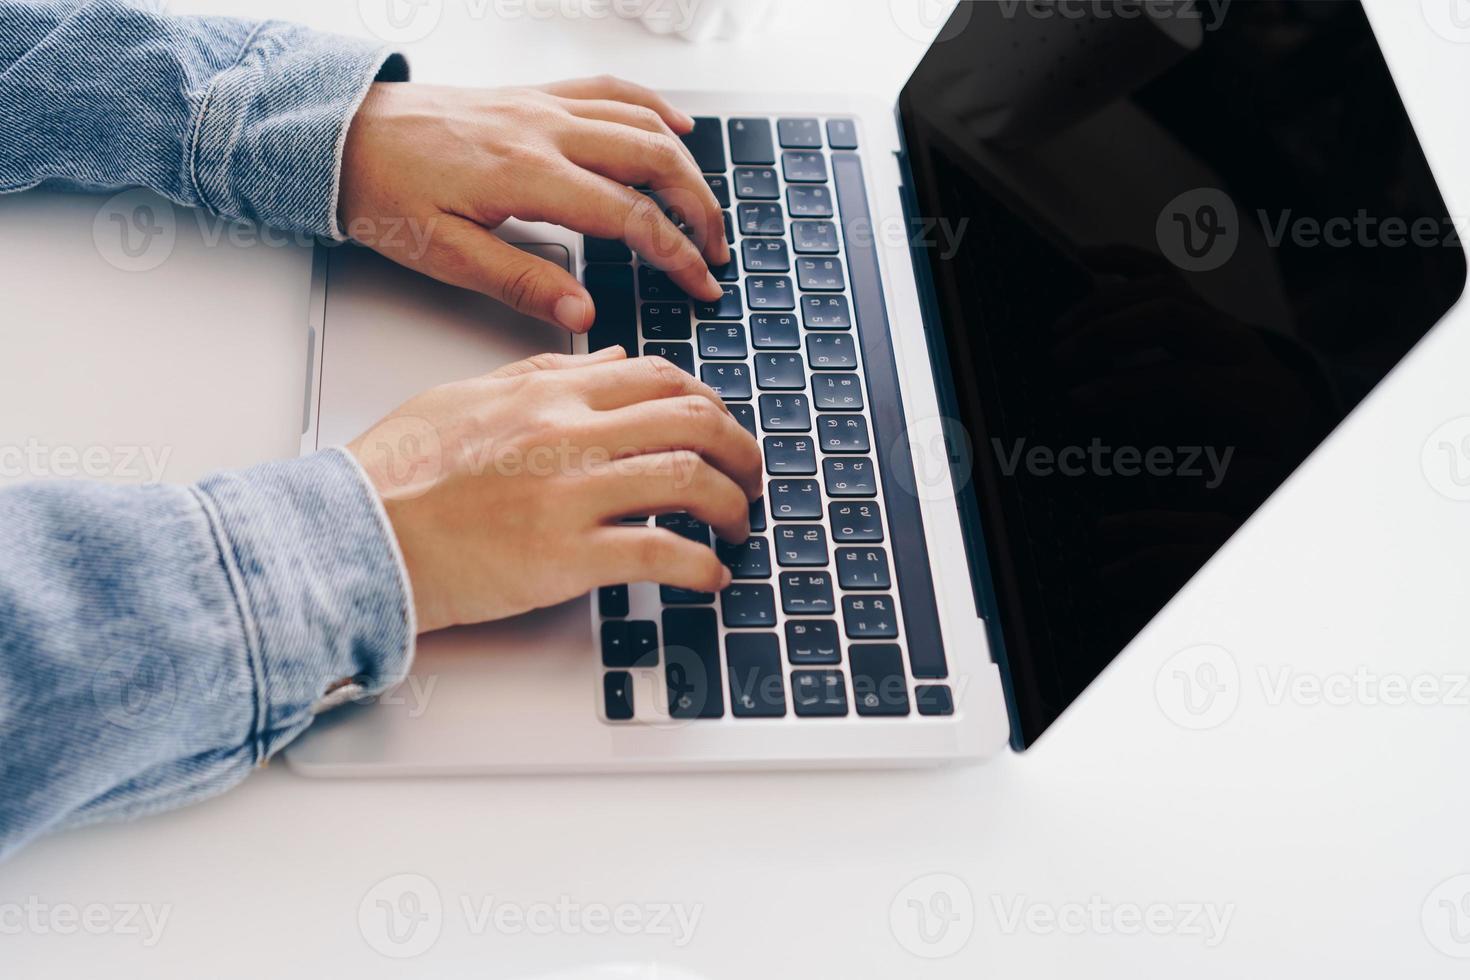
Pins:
x,y
504,491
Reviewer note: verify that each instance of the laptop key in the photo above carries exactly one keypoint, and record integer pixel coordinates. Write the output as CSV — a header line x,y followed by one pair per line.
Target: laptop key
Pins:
x,y
842,134
613,295
748,606
612,601
719,341
761,219
843,434
795,500
655,284
707,143
780,372
800,134
878,683
820,275
863,568
730,381
869,617
818,693
606,250
757,514
748,560
812,642
692,663
770,293
831,352
837,392
774,331
756,688
729,229
750,141
807,594
629,644
685,526
801,545
826,313
680,355
934,699
666,321
727,307
719,187
804,167
765,255
855,523
617,695
809,201
814,237
849,477
729,272
745,415
786,413
757,184
790,456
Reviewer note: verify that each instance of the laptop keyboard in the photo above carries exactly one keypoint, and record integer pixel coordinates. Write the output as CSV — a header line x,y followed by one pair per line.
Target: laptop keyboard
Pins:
x,y
820,621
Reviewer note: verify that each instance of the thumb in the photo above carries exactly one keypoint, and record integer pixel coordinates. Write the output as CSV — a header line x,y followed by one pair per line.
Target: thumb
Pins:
x,y
558,362
467,255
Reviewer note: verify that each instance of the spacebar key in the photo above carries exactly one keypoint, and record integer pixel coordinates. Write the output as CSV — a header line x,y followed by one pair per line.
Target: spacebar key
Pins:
x,y
692,663
616,319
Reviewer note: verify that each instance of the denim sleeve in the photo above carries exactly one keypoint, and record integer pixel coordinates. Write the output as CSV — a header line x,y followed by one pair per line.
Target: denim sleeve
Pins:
x,y
244,119
156,643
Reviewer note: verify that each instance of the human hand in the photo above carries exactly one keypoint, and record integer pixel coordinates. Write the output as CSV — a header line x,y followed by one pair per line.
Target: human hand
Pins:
x,y
458,162
504,491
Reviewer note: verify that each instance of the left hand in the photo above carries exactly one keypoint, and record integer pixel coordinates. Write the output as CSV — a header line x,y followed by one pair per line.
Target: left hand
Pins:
x,y
457,162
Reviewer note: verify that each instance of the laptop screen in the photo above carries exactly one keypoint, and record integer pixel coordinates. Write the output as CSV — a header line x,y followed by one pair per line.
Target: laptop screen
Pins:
x,y
1169,246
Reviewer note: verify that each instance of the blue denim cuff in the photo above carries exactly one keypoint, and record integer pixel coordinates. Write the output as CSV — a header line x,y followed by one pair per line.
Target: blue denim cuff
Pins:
x,y
267,143
322,588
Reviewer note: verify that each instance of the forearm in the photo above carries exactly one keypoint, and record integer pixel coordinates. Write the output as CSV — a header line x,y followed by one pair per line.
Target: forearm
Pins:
x,y
245,119
157,643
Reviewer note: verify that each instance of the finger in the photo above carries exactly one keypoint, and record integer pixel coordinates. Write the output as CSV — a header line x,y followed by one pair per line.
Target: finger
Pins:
x,y
670,482
558,362
595,205
637,157
623,113
464,254
620,90
652,554
690,422
639,379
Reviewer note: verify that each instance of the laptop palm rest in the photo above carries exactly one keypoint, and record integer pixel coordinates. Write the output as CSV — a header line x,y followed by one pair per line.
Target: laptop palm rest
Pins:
x,y
389,334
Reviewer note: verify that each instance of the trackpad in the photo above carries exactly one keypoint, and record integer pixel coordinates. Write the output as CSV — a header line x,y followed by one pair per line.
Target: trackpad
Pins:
x,y
390,333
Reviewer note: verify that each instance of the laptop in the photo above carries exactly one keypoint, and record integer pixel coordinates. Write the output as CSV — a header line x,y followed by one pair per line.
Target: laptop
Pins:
x,y
1022,355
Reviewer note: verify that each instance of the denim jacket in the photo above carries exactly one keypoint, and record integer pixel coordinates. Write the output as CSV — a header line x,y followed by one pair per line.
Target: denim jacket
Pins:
x,y
157,643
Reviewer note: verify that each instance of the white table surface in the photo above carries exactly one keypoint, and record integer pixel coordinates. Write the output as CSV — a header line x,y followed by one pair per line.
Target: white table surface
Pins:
x,y
1328,833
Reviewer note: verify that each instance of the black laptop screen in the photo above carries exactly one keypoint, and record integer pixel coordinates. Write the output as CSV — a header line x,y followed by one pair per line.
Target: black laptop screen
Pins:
x,y
1169,247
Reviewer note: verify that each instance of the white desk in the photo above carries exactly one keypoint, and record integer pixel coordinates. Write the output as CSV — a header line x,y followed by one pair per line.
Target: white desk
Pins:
x,y
1321,829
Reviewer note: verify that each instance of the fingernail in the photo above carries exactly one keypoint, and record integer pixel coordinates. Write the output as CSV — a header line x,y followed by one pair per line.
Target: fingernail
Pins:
x,y
685,119
571,312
